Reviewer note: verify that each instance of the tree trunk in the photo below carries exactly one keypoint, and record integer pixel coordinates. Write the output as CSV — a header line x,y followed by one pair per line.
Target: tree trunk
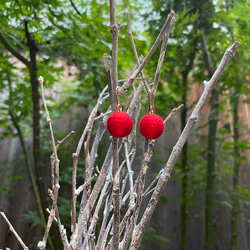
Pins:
x,y
213,120
184,182
32,44
236,154
184,155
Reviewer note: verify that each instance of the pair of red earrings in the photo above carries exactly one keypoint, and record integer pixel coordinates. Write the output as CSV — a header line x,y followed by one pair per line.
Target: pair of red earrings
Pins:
x,y
120,124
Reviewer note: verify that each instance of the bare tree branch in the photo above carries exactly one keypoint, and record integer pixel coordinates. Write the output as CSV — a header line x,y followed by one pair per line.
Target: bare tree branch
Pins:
x,y
88,127
111,86
116,195
55,184
208,87
129,32
141,182
114,28
73,5
130,173
85,211
80,188
13,51
14,232
168,24
65,138
159,67
174,110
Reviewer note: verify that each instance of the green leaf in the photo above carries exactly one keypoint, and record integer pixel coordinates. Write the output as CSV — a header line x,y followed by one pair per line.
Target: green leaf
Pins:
x,y
151,234
226,203
33,218
163,200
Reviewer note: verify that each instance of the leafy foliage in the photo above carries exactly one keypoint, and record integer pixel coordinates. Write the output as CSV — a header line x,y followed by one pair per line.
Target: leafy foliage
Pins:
x,y
150,234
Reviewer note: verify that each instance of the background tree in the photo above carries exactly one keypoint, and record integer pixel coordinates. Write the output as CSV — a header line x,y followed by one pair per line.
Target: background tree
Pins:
x,y
237,87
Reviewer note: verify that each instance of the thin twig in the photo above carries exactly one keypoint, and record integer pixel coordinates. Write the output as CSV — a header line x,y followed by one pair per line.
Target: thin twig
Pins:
x,y
65,138
123,80
87,159
174,110
141,182
130,173
15,53
85,211
124,183
111,87
14,231
49,213
169,23
87,128
102,115
121,224
95,145
95,215
107,230
55,184
116,195
129,32
135,99
73,5
159,67
80,188
114,29
147,191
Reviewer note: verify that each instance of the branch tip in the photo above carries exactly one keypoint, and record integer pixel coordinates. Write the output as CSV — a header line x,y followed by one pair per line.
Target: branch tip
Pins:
x,y
40,80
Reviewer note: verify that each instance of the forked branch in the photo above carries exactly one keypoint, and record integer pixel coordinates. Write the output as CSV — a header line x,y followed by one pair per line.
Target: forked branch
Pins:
x,y
165,175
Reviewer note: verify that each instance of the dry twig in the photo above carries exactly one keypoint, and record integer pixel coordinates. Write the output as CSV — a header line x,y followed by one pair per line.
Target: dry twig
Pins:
x,y
14,232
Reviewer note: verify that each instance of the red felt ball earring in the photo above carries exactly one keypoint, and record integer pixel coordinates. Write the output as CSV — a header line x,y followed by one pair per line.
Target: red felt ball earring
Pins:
x,y
151,126
119,124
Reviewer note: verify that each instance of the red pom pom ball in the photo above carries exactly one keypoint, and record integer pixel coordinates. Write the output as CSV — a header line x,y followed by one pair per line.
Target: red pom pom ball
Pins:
x,y
119,124
151,126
